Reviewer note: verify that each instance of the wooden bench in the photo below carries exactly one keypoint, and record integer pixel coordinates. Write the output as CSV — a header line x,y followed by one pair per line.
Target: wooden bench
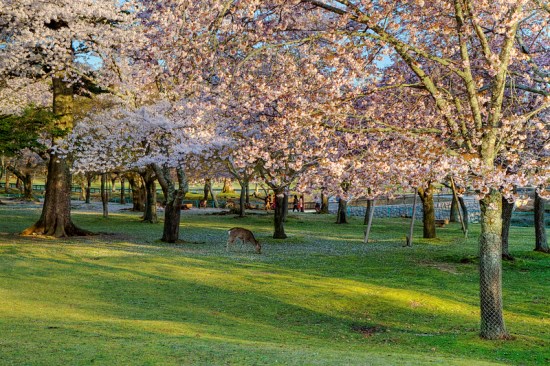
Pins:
x,y
441,223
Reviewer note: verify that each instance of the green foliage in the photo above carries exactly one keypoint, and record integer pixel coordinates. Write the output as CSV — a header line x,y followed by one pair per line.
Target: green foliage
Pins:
x,y
20,132
319,298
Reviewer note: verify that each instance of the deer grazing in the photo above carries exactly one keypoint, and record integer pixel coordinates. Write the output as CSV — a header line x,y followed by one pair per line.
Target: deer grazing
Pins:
x,y
245,235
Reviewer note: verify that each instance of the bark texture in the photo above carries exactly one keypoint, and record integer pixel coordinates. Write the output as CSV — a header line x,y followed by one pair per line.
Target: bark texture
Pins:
x,y
342,215
26,178
490,267
55,219
428,215
138,193
174,197
541,243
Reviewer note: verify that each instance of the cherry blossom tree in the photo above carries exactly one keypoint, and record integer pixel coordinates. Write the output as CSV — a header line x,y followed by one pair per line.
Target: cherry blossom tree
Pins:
x,y
471,62
72,44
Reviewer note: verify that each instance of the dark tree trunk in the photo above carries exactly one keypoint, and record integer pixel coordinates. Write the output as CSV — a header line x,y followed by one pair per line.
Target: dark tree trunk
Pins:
x,y
247,193
27,187
242,198
507,209
55,219
490,267
138,193
428,214
279,216
207,189
26,182
342,215
174,198
541,243
453,215
122,190
89,178
150,214
104,195
324,203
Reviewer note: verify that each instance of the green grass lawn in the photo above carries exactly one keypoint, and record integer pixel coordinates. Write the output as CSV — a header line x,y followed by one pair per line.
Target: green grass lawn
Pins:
x,y
320,297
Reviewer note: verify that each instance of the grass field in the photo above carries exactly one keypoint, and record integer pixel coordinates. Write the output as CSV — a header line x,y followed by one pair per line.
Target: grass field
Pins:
x,y
320,297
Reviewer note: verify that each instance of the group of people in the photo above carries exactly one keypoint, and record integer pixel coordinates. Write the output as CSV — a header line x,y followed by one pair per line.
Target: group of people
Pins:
x,y
298,204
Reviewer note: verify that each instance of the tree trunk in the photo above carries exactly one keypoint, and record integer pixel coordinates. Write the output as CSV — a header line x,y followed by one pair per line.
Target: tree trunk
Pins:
x,y
324,203
464,209
122,190
227,186
150,214
279,216
370,211
285,207
27,187
174,198
88,192
216,205
242,198
409,238
342,215
370,207
453,215
138,193
113,181
7,181
428,214
55,219
541,243
26,182
82,193
104,195
507,209
490,267
207,189
247,194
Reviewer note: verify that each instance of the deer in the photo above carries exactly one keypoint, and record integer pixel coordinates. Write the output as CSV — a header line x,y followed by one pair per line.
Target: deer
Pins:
x,y
245,235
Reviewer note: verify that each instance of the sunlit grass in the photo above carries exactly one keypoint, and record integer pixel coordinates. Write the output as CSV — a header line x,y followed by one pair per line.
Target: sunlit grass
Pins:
x,y
319,297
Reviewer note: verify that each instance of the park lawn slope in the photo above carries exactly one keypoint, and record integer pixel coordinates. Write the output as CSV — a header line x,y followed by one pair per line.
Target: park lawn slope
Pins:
x,y
320,297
